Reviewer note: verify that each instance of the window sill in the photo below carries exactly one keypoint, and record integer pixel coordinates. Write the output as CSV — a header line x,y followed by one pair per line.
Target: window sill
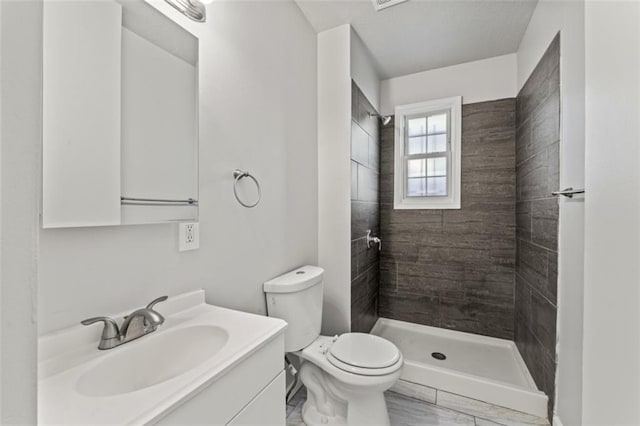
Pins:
x,y
445,204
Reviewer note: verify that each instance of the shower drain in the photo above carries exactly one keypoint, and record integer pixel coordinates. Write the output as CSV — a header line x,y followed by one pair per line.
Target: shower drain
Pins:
x,y
439,356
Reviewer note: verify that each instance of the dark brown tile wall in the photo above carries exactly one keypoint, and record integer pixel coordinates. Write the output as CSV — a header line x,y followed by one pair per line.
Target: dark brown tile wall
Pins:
x,y
455,268
365,211
537,171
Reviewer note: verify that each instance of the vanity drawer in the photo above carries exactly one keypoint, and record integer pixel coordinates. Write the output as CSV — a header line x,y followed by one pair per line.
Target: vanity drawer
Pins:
x,y
266,409
222,400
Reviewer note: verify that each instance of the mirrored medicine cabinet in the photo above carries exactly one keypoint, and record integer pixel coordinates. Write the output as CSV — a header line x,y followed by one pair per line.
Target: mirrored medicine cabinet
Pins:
x,y
120,115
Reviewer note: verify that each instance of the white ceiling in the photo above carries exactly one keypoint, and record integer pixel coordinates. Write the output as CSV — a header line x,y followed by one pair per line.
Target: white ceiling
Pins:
x,y
425,34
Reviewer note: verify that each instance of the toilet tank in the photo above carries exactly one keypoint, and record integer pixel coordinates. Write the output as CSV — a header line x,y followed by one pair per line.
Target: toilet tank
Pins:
x,y
296,297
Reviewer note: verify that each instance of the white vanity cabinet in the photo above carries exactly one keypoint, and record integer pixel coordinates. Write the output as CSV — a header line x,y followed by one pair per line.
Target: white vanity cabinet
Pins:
x,y
253,393
266,408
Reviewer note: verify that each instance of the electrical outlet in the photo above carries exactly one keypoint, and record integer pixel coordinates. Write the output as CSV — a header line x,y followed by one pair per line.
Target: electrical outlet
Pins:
x,y
189,229
188,236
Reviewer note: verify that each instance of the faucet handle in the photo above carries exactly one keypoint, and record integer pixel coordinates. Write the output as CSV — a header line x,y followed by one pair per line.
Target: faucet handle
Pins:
x,y
374,240
110,329
156,301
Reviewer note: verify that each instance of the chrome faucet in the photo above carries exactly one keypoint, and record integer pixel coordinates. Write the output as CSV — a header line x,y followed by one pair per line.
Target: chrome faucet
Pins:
x,y
137,324
373,240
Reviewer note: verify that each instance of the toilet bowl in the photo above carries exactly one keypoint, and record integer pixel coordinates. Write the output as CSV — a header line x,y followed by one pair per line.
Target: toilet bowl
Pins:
x,y
348,390
345,375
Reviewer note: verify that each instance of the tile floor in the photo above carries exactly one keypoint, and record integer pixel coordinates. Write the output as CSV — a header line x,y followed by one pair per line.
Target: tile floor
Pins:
x,y
405,411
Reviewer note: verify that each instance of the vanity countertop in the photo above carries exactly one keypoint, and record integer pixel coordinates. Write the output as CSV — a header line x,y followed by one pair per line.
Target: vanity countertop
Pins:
x,y
67,357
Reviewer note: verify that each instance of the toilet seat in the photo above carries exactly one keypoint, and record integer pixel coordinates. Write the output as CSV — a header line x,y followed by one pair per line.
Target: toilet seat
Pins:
x,y
318,353
364,354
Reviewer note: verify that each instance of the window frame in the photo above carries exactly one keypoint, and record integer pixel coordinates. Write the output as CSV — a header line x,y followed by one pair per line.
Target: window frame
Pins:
x,y
453,107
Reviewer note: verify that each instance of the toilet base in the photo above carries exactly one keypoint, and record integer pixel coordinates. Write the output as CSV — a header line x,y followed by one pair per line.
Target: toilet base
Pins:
x,y
312,417
323,405
330,402
368,409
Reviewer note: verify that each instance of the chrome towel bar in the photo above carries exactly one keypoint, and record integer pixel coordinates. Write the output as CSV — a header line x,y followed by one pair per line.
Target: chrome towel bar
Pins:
x,y
568,192
157,202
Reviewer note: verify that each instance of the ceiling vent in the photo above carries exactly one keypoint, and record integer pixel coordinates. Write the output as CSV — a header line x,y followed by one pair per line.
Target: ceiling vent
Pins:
x,y
383,4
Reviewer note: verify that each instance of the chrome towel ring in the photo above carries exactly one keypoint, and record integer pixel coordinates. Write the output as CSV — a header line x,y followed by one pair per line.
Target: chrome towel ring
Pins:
x,y
238,175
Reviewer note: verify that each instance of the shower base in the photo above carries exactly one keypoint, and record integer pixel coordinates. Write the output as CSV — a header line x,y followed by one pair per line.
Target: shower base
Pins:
x,y
478,367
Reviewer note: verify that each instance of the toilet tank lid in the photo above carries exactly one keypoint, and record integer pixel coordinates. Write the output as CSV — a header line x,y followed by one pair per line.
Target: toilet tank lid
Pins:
x,y
296,280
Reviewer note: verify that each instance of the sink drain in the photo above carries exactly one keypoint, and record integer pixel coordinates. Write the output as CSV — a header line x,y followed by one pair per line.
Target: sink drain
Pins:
x,y
439,356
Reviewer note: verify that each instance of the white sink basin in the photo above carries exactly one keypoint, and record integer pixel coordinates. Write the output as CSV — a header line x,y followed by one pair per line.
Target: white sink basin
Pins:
x,y
158,359
198,347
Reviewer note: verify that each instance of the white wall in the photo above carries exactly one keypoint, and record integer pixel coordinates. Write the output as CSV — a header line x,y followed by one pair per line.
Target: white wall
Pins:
x,y
611,373
478,81
548,18
20,130
334,173
364,71
257,112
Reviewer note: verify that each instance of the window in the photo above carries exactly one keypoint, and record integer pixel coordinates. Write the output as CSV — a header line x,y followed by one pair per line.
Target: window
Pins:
x,y
427,155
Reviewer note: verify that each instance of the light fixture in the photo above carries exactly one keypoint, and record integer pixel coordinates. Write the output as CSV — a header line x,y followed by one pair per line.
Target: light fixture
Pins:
x,y
384,118
383,4
192,9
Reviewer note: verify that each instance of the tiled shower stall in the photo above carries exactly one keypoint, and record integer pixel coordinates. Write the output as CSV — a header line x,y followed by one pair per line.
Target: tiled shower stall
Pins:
x,y
488,268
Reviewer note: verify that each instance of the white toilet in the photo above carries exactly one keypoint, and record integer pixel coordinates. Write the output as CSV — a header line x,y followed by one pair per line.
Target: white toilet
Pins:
x,y
345,375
